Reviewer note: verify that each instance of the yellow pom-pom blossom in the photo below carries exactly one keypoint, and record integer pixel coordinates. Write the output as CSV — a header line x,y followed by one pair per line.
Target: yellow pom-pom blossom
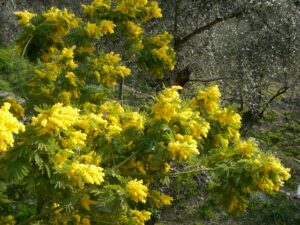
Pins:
x,y
209,98
270,174
96,5
152,11
159,199
85,221
137,191
229,118
16,108
138,166
247,148
61,157
75,138
24,17
167,167
237,204
56,15
107,27
7,220
86,202
85,174
220,141
133,119
167,104
57,118
183,147
108,70
92,124
164,54
72,78
51,71
130,7
9,125
133,29
94,30
199,129
140,217
68,55
62,20
161,40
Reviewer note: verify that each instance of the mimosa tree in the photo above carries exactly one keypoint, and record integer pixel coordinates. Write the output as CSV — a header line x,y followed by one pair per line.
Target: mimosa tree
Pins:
x,y
81,157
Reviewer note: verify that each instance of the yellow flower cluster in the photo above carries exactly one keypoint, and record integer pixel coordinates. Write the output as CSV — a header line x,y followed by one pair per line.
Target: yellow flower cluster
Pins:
x,y
161,40
208,98
7,220
167,167
108,70
50,71
110,120
66,96
151,11
67,218
24,17
16,108
271,174
237,204
167,103
133,119
183,147
137,191
96,5
57,118
86,202
140,217
229,118
159,200
75,139
199,128
131,7
61,157
68,55
72,78
62,20
220,141
85,174
141,9
9,125
138,166
133,29
166,55
92,124
112,111
98,30
90,158
247,148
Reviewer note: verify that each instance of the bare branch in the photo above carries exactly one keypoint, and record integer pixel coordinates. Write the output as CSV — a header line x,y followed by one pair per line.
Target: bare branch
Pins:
x,y
208,80
279,92
179,42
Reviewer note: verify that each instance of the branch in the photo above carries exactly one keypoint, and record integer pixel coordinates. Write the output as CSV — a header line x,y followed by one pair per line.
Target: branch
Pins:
x,y
208,80
265,22
279,92
189,172
297,160
179,42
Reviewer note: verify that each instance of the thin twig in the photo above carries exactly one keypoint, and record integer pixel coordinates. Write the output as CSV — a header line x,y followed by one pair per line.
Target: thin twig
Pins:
x,y
25,48
208,80
188,172
127,159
